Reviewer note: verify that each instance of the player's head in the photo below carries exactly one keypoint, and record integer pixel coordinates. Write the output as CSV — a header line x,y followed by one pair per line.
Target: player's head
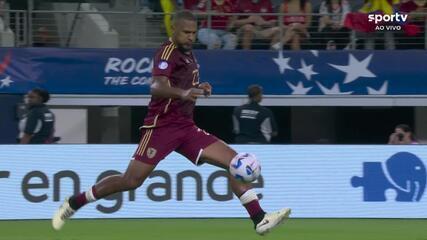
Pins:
x,y
37,96
184,30
255,93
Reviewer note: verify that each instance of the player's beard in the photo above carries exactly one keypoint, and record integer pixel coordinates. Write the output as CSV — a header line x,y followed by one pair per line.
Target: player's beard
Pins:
x,y
186,48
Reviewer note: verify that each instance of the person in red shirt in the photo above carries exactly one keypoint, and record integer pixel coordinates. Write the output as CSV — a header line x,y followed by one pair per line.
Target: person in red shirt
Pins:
x,y
218,35
190,4
296,22
256,26
169,127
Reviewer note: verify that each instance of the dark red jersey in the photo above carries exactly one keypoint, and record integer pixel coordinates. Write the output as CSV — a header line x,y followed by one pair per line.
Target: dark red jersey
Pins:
x,y
182,71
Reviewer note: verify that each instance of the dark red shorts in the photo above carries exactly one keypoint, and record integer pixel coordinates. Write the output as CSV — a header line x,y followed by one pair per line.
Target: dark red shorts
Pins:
x,y
157,143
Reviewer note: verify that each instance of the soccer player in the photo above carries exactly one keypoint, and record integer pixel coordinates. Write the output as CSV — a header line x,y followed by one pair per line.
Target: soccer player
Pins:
x,y
169,126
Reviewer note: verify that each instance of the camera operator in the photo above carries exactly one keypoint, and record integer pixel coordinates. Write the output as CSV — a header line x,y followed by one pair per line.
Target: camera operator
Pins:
x,y
402,135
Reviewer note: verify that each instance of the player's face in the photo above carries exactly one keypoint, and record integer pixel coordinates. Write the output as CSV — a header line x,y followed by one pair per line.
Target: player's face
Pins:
x,y
185,34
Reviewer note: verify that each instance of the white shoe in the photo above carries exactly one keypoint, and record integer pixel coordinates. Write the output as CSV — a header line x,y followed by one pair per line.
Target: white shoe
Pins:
x,y
63,213
271,220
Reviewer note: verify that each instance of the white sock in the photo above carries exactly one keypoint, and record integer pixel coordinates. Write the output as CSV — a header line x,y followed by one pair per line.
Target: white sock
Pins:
x,y
248,197
89,196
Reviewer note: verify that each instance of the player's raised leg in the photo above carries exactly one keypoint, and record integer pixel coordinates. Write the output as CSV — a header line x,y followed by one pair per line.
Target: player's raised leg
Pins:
x,y
220,154
134,176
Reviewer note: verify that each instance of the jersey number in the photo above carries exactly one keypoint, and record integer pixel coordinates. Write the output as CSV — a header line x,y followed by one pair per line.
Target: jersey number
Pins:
x,y
196,77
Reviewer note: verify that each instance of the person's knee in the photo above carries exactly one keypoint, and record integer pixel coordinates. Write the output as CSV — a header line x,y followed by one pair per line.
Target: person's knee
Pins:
x,y
132,183
209,38
230,41
248,28
214,42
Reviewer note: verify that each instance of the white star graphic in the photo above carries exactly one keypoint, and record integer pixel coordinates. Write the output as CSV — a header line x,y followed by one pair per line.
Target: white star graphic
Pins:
x,y
315,52
335,90
355,69
381,91
5,82
307,70
282,62
299,89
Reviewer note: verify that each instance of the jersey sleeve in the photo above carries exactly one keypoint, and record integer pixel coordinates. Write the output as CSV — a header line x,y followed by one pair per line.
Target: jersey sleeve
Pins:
x,y
164,63
32,121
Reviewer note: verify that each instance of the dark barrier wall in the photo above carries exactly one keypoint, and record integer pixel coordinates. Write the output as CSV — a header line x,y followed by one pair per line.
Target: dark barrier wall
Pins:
x,y
8,120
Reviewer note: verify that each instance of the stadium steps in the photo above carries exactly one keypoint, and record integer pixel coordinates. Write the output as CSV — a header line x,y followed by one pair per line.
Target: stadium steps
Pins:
x,y
140,29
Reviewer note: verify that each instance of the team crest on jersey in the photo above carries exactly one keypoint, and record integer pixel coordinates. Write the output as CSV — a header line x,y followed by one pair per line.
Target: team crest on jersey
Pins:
x,y
151,152
163,65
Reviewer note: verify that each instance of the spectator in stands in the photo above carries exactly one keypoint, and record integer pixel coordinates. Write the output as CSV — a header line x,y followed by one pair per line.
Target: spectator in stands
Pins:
x,y
253,123
253,25
296,22
416,9
402,135
365,29
191,4
218,35
2,7
37,126
42,38
331,23
168,7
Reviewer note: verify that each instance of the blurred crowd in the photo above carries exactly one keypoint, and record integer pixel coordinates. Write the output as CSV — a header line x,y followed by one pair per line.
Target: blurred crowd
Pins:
x,y
300,24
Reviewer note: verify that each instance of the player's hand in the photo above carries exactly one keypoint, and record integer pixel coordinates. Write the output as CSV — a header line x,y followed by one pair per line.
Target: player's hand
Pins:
x,y
192,94
206,87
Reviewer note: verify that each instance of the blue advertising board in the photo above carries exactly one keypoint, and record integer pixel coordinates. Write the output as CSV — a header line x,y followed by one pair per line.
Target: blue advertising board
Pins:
x,y
316,181
128,71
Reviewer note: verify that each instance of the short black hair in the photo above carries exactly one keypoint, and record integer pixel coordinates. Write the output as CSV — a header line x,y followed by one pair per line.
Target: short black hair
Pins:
x,y
254,90
406,128
184,15
44,94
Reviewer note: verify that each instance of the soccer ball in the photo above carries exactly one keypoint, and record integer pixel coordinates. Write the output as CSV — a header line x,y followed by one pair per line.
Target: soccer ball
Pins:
x,y
245,167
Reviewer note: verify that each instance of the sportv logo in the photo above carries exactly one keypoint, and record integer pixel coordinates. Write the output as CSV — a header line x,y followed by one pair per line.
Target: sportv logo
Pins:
x,y
157,190
382,20
403,175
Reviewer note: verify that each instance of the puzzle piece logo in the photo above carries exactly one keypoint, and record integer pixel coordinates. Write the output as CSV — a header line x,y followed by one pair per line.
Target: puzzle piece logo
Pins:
x,y
404,173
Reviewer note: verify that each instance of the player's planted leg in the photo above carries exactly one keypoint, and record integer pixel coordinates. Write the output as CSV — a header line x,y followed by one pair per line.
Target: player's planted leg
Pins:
x,y
220,154
134,176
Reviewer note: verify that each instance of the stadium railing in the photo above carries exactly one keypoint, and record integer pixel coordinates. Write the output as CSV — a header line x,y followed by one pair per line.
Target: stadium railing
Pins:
x,y
146,29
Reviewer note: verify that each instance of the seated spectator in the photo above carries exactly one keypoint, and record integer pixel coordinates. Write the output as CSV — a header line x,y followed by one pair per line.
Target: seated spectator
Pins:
x,y
366,30
191,4
416,10
42,38
296,21
252,27
219,35
402,135
331,23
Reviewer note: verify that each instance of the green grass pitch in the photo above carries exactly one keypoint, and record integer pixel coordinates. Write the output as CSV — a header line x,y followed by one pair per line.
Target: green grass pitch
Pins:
x,y
216,229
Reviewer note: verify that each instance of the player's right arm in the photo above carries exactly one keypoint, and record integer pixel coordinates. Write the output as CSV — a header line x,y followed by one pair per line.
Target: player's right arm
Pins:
x,y
161,88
